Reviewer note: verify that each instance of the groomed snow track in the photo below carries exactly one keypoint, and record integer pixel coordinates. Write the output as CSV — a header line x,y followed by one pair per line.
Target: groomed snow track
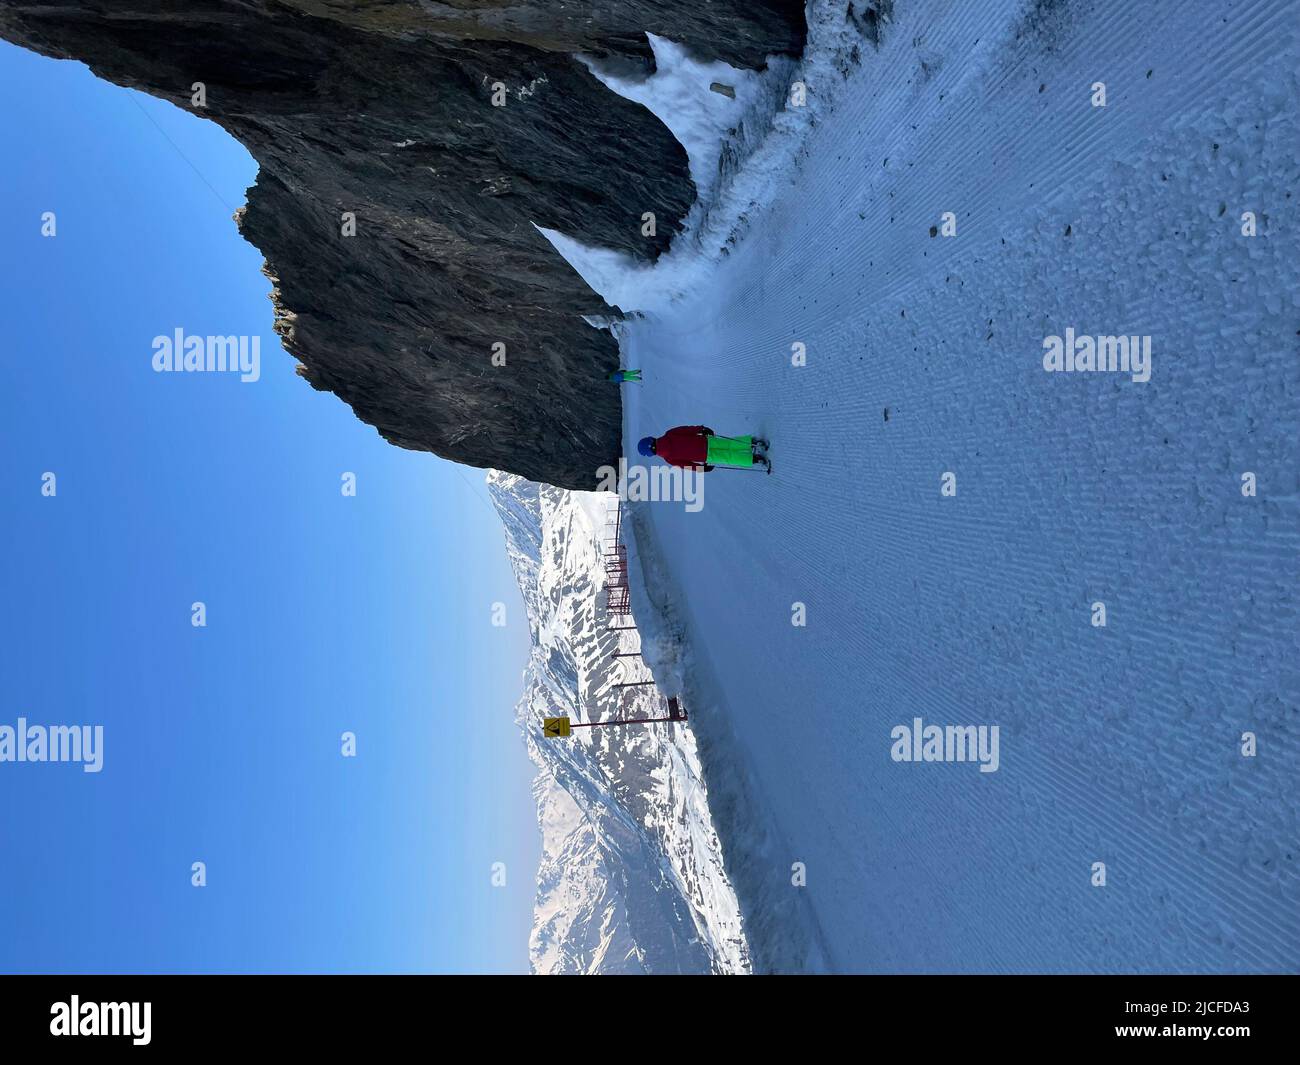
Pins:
x,y
1119,744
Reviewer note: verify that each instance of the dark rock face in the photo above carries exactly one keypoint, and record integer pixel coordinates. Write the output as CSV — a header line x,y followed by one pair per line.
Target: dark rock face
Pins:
x,y
384,108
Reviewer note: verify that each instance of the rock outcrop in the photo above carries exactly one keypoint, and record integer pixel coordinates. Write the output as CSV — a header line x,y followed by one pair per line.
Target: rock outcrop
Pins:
x,y
383,108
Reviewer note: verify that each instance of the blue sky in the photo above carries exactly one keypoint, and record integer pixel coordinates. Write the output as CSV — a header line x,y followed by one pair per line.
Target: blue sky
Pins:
x,y
324,613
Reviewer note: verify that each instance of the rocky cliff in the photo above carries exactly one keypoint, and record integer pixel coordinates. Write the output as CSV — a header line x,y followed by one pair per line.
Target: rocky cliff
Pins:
x,y
385,109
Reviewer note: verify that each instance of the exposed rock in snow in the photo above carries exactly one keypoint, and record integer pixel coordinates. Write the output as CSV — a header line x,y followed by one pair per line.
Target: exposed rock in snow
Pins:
x,y
742,148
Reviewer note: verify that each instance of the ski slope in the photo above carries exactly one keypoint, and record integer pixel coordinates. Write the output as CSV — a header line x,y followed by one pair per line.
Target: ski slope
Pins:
x,y
1119,744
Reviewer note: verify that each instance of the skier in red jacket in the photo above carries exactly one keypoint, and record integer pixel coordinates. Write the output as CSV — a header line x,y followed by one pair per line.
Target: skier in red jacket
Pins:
x,y
699,447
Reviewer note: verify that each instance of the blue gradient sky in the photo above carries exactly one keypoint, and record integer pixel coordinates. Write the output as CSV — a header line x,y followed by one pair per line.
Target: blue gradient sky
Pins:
x,y
325,613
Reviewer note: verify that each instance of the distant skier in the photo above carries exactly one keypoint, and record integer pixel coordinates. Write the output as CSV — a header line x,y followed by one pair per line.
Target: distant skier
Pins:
x,y
624,376
699,447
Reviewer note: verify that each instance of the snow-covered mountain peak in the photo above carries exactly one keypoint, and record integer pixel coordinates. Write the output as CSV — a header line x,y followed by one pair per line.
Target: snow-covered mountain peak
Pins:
x,y
631,878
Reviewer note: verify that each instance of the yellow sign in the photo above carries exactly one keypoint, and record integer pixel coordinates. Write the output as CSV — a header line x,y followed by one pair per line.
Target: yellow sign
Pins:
x,y
556,728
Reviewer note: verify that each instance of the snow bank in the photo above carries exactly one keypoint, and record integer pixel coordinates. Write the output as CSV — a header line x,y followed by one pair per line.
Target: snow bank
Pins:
x,y
662,630
740,151
680,93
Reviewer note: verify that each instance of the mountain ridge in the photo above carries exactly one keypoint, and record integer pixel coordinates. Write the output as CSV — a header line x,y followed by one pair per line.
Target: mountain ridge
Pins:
x,y
632,876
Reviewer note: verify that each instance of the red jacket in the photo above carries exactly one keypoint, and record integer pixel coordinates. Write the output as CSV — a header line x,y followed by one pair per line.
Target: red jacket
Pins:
x,y
687,445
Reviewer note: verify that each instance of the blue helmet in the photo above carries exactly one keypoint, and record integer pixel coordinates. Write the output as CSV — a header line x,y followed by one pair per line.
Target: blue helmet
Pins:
x,y
646,446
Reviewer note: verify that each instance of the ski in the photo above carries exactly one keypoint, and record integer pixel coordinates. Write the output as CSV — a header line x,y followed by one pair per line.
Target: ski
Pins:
x,y
747,469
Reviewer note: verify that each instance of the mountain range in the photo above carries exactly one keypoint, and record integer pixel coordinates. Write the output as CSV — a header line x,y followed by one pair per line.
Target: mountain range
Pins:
x,y
632,877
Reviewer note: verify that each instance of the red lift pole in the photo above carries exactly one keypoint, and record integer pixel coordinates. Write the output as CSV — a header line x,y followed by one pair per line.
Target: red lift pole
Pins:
x,y
621,721
560,727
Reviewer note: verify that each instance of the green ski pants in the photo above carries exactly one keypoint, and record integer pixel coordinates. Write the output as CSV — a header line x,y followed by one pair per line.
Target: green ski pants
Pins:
x,y
731,451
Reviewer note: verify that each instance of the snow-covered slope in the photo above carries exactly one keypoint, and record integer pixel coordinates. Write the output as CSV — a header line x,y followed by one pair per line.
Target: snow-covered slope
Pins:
x,y
631,878
945,515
